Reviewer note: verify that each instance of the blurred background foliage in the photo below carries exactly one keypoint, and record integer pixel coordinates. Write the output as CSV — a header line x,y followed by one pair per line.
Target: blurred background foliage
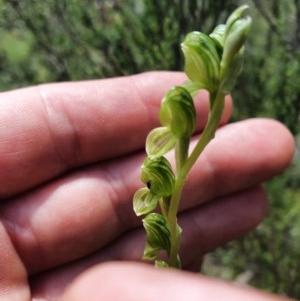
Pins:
x,y
51,40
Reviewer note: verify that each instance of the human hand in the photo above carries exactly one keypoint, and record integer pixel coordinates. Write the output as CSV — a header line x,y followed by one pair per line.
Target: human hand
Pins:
x,y
70,157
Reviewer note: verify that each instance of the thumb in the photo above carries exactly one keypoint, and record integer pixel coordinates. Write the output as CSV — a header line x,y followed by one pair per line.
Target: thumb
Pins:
x,y
135,282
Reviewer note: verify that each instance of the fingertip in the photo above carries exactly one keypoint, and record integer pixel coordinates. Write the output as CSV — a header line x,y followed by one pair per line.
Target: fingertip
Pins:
x,y
108,281
285,140
135,282
275,140
264,147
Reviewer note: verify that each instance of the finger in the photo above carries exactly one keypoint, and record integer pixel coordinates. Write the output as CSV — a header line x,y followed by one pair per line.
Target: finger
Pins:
x,y
216,223
13,277
242,155
141,282
204,228
83,212
50,129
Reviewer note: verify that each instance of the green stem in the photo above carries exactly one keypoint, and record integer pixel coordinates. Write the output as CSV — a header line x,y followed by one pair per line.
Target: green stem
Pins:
x,y
181,154
164,204
209,130
181,151
183,169
172,219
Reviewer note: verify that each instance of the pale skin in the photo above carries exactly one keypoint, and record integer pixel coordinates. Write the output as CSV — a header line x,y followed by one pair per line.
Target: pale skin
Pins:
x,y
70,157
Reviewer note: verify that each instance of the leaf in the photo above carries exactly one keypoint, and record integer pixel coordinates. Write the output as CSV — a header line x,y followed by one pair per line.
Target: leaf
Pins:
x,y
144,201
158,235
159,141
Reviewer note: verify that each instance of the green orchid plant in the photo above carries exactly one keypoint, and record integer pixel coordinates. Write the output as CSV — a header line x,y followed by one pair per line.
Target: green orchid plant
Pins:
x,y
212,62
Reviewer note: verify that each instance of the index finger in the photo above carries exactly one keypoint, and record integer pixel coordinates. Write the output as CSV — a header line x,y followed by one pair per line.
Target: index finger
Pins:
x,y
50,129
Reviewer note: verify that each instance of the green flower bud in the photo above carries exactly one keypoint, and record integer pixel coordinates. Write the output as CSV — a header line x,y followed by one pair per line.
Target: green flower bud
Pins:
x,y
218,34
232,73
158,175
159,141
158,235
235,35
202,60
235,16
178,112
144,201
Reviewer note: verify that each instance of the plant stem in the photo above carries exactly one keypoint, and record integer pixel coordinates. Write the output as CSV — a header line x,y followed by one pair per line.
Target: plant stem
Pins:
x,y
181,154
172,219
181,151
184,165
209,130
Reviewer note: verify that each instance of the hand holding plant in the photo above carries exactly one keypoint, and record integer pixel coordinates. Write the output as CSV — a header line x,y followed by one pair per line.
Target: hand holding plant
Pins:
x,y
212,62
60,217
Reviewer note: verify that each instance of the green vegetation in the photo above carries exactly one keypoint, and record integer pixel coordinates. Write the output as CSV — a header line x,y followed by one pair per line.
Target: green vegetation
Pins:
x,y
52,40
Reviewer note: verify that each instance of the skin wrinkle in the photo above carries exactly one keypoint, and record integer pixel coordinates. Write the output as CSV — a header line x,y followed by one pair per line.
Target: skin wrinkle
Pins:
x,y
189,256
55,280
87,186
22,148
132,175
13,276
226,205
128,217
69,220
20,232
88,137
125,256
52,114
107,108
150,110
125,111
117,184
121,250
